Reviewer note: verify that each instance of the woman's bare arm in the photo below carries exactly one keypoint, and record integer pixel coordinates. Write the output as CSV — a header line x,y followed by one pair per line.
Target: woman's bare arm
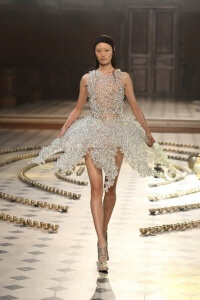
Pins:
x,y
75,113
129,92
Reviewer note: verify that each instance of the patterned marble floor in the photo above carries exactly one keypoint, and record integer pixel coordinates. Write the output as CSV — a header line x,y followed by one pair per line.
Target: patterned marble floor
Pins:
x,y
37,265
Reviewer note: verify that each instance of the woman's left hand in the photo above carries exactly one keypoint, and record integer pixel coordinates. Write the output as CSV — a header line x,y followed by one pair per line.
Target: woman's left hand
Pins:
x,y
150,140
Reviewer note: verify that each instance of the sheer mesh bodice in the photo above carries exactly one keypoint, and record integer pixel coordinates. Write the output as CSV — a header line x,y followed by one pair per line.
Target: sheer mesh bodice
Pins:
x,y
106,93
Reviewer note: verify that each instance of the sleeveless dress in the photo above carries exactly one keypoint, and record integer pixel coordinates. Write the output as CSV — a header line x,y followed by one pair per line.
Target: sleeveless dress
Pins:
x,y
101,132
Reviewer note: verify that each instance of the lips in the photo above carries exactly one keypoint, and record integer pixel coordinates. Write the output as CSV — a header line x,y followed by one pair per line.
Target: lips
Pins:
x,y
103,59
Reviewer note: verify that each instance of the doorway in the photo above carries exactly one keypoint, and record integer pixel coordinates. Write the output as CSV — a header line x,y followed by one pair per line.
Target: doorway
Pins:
x,y
152,49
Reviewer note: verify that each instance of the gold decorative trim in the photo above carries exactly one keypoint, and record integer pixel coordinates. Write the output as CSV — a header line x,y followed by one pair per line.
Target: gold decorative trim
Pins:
x,y
171,209
23,177
28,222
34,203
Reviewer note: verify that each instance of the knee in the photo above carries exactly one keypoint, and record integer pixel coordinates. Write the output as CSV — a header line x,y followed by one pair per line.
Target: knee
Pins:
x,y
96,192
110,198
111,193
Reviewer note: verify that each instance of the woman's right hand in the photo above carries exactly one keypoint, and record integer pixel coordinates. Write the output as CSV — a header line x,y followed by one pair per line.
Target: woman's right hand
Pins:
x,y
62,131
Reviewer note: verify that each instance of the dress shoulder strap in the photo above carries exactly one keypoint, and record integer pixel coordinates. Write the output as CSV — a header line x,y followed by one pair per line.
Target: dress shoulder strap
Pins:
x,y
91,81
118,73
91,75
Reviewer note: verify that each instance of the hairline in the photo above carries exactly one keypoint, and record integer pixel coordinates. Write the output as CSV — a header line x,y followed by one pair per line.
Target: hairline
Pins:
x,y
104,43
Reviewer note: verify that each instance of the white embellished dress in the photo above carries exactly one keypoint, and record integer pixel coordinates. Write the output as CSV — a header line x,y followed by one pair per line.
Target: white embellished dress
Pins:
x,y
105,129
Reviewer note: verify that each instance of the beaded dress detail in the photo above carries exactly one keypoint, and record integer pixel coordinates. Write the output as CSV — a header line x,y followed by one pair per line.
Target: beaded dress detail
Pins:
x,y
105,129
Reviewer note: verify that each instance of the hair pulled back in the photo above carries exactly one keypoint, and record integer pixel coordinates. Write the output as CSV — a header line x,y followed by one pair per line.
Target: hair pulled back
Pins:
x,y
104,39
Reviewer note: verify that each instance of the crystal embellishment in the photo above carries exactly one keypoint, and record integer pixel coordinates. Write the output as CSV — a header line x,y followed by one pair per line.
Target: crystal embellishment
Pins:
x,y
105,129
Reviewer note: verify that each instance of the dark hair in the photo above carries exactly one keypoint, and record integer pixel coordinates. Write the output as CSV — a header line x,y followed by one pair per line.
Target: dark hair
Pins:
x,y
104,39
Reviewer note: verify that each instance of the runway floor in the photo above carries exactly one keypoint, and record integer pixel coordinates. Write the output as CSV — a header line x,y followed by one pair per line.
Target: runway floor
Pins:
x,y
163,115
38,265
165,108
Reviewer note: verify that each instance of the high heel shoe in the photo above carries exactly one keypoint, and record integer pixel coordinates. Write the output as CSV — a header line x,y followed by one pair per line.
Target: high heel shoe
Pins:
x,y
103,256
102,266
103,253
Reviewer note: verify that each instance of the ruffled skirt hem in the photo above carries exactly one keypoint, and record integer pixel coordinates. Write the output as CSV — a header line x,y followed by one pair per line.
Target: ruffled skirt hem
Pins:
x,y
101,138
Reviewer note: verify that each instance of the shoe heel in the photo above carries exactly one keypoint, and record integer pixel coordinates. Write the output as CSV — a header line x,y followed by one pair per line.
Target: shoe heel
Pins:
x,y
102,266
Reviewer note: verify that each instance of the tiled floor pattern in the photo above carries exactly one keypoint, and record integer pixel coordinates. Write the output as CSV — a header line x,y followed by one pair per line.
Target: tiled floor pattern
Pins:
x,y
37,265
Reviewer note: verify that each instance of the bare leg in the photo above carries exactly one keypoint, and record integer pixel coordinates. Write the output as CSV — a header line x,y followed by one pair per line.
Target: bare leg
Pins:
x,y
96,182
110,195
101,212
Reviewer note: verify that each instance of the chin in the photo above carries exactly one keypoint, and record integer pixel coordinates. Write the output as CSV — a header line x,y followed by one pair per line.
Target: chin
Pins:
x,y
104,63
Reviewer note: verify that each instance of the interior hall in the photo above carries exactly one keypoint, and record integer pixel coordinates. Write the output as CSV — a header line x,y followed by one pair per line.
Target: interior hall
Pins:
x,y
48,242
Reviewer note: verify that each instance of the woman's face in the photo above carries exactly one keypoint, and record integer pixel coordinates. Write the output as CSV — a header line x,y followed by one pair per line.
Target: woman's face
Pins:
x,y
103,53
